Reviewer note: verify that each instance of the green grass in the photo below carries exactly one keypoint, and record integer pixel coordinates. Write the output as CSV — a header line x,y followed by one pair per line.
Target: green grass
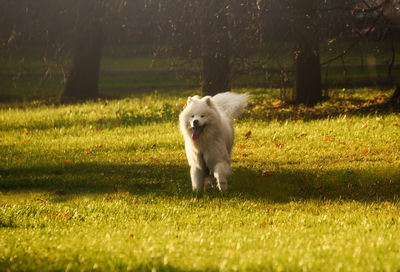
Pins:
x,y
105,186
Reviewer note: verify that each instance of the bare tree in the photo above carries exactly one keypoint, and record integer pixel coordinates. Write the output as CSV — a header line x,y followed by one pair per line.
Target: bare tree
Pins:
x,y
83,78
215,48
389,11
307,82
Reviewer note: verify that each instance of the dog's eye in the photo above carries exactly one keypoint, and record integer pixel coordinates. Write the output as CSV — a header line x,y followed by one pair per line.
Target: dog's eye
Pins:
x,y
192,116
201,116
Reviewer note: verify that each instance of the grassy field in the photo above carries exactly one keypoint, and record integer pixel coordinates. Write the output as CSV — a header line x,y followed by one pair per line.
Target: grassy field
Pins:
x,y
105,185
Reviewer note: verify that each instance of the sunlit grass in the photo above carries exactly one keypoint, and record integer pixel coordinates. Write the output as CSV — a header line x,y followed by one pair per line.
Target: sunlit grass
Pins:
x,y
105,186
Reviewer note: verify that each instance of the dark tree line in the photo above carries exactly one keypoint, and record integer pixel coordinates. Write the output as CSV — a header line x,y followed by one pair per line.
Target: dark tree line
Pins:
x,y
228,36
232,30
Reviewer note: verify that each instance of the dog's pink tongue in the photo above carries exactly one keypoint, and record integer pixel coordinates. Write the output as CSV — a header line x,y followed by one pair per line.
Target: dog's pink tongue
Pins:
x,y
196,133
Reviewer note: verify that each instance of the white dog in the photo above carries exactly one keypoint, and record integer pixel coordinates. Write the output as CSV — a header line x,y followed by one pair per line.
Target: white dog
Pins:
x,y
207,126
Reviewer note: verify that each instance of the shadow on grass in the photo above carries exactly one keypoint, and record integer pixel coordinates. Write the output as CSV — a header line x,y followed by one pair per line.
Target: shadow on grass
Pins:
x,y
94,177
71,261
350,184
296,112
173,180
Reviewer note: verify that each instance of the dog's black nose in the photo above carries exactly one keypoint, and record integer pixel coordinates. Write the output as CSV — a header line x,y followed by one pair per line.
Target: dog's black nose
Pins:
x,y
196,123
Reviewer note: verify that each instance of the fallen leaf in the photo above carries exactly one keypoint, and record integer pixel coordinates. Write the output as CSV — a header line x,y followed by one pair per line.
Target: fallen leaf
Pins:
x,y
263,224
328,139
292,208
67,161
100,146
364,125
59,215
388,203
278,144
266,173
240,146
365,152
88,152
301,135
247,135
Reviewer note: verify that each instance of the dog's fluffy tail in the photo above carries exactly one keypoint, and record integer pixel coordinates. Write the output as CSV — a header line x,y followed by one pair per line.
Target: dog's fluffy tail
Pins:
x,y
231,103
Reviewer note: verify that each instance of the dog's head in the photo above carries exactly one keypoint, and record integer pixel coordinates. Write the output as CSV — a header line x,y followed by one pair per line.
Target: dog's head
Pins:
x,y
197,116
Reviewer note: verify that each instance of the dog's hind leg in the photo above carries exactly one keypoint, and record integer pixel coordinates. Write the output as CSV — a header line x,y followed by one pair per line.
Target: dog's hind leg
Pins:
x,y
198,176
222,172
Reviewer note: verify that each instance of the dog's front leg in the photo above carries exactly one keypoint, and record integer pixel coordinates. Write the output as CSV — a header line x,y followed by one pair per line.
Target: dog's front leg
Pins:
x,y
222,172
197,175
213,181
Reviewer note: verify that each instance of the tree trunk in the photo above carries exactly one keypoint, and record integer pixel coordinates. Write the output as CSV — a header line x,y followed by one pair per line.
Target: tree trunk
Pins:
x,y
216,52
395,98
307,83
83,78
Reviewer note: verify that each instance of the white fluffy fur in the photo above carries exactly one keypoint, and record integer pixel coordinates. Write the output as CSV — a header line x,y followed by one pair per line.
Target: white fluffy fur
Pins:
x,y
209,156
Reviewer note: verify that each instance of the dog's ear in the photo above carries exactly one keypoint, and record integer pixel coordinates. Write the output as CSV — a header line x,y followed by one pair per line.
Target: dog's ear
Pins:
x,y
191,99
209,101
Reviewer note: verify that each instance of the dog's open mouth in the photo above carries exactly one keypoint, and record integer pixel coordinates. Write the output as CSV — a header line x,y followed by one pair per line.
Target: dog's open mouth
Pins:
x,y
197,130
